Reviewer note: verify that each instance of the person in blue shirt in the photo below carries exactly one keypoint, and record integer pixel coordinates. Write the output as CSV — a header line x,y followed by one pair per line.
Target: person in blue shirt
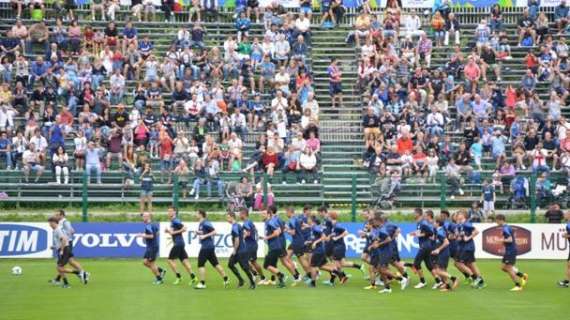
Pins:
x,y
381,251
566,235
129,36
178,250
242,24
510,255
327,227
250,239
240,254
150,237
297,247
206,233
425,233
284,257
440,255
339,247
466,231
318,254
275,248
393,231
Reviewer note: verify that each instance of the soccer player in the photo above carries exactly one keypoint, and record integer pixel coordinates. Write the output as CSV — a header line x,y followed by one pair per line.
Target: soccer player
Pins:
x,y
297,247
318,256
510,256
250,238
178,251
466,232
440,256
206,233
566,235
425,233
365,234
284,258
67,228
339,247
272,236
393,231
239,254
61,245
150,236
381,253
327,227
452,228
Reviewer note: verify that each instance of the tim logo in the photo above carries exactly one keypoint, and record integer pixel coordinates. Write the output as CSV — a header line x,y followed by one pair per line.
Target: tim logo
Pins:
x,y
17,240
492,240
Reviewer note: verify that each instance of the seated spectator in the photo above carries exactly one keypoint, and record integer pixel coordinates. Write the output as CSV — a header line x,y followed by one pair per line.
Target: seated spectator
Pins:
x,y
242,24
561,16
452,28
6,149
438,27
39,33
308,166
31,160
527,33
496,20
213,177
452,171
60,163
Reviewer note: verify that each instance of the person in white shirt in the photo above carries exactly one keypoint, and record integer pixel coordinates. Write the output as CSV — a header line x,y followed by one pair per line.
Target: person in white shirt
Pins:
x,y
279,101
31,161
19,144
238,123
7,114
40,144
80,143
435,122
302,27
60,159
308,165
312,104
282,80
413,24
235,147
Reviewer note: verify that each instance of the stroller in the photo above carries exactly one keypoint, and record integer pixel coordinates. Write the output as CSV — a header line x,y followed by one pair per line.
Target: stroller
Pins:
x,y
235,200
384,193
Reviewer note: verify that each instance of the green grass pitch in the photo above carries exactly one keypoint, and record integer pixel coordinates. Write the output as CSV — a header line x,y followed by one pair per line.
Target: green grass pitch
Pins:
x,y
122,289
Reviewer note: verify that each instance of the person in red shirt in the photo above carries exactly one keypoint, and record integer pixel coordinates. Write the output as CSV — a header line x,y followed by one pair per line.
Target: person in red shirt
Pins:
x,y
531,61
166,148
269,160
405,144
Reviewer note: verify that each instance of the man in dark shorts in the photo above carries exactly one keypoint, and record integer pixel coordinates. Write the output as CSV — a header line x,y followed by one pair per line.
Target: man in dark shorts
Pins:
x,y
251,238
440,256
178,251
150,237
275,246
335,82
297,247
425,232
338,234
239,254
318,256
61,245
510,256
466,232
206,233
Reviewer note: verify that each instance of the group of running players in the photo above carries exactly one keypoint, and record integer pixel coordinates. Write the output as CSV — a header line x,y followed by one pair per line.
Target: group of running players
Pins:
x,y
317,240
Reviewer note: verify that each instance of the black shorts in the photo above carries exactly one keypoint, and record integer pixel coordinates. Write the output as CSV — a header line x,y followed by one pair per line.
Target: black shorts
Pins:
x,y
63,258
241,258
298,249
207,255
395,254
510,259
318,259
272,257
151,253
329,249
339,253
382,260
252,253
178,252
441,260
423,255
466,256
335,88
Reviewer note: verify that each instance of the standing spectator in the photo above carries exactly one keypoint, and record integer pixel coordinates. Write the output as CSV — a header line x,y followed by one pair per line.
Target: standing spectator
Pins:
x,y
166,152
554,214
488,198
6,149
335,82
147,182
93,161
98,5
423,50
561,16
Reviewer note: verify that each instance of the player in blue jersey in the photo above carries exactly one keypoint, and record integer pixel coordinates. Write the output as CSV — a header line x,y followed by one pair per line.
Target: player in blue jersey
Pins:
x,y
466,231
251,238
206,233
297,247
338,233
240,254
275,247
425,233
283,257
566,235
510,255
381,254
178,251
327,227
150,237
441,255
316,243
393,231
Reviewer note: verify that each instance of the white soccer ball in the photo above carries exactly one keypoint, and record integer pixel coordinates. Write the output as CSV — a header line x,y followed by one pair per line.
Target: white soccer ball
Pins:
x,y
17,270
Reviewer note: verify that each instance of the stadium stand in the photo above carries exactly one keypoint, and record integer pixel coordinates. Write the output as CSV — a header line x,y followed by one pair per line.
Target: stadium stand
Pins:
x,y
510,67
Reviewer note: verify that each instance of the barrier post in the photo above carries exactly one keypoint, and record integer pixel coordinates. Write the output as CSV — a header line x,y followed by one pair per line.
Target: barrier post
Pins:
x,y
353,199
84,198
532,191
175,191
442,190
265,190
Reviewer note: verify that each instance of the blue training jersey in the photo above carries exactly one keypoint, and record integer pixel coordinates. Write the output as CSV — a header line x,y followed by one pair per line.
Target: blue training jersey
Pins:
x,y
336,231
425,241
206,227
391,229
176,225
296,224
237,232
251,239
151,229
270,226
465,230
380,235
316,234
440,236
510,247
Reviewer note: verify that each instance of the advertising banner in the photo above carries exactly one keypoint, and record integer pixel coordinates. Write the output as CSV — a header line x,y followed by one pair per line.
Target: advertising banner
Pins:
x,y
222,239
92,240
418,3
25,240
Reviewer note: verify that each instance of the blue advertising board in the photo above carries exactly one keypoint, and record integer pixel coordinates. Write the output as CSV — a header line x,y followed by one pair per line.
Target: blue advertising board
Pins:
x,y
92,240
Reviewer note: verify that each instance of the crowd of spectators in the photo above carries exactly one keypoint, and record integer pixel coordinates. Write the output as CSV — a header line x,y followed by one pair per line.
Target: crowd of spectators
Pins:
x,y
77,97
421,119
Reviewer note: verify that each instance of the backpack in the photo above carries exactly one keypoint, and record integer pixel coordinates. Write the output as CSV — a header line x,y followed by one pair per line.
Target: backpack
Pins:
x,y
526,42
